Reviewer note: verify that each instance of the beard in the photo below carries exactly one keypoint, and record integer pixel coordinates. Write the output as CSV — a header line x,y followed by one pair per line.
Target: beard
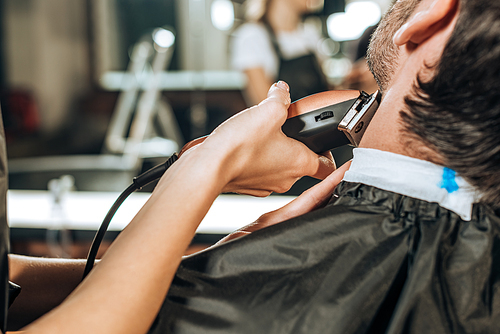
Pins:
x,y
382,52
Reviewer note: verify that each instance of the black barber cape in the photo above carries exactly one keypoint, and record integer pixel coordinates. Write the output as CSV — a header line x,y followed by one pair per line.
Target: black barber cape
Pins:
x,y
372,261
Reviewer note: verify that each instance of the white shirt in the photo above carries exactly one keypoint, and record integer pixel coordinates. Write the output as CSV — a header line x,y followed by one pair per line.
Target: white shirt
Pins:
x,y
251,47
414,178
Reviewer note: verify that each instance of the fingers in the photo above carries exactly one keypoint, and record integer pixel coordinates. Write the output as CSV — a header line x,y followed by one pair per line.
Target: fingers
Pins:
x,y
314,165
326,166
323,190
314,197
232,236
279,93
310,200
283,85
254,192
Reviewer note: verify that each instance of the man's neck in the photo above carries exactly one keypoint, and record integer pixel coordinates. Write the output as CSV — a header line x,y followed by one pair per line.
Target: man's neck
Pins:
x,y
386,131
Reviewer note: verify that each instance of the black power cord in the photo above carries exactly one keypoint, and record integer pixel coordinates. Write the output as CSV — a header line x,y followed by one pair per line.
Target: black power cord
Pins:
x,y
138,182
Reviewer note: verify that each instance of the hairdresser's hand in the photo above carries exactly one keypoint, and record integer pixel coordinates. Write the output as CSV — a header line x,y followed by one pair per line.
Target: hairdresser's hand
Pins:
x,y
312,199
257,158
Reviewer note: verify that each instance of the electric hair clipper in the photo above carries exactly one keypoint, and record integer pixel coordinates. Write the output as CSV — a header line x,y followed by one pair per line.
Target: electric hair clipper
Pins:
x,y
326,120
331,119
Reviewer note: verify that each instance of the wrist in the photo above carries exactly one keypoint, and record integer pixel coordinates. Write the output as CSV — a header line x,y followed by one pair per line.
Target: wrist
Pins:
x,y
221,157
202,167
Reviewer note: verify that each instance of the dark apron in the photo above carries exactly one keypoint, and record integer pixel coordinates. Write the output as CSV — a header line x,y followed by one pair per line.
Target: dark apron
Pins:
x,y
303,74
371,261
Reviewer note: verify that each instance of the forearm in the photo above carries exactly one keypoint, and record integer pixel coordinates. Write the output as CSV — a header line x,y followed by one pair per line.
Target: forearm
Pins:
x,y
134,275
45,284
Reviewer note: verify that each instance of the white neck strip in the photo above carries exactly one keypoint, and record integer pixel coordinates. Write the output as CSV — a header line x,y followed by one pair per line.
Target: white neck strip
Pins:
x,y
414,178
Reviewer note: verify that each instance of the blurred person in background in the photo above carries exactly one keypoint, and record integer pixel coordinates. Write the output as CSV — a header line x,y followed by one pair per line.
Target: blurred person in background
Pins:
x,y
274,45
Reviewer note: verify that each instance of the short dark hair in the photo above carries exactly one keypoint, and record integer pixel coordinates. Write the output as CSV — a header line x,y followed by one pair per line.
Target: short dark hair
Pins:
x,y
457,111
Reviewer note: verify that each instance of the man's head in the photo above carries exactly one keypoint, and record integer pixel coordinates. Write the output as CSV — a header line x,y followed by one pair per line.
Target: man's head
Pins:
x,y
453,104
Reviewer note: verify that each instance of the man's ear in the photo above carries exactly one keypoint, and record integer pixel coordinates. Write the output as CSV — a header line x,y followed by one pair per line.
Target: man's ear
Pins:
x,y
426,22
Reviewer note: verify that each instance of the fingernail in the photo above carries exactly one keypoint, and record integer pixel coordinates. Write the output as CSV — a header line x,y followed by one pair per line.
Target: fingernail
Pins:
x,y
283,85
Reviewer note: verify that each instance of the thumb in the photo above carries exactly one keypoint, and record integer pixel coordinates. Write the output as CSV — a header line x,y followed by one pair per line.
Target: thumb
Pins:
x,y
278,93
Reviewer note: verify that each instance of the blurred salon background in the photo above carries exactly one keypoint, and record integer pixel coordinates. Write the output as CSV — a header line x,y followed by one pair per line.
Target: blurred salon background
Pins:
x,y
93,92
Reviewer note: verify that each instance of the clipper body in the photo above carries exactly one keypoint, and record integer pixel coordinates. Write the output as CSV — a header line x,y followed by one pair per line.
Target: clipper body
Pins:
x,y
340,118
